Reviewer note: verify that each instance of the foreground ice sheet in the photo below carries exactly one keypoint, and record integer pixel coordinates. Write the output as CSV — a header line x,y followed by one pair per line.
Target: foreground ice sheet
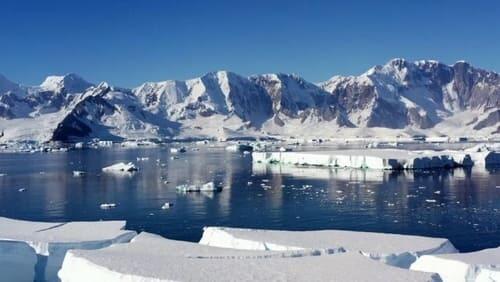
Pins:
x,y
49,242
152,258
467,267
396,250
17,261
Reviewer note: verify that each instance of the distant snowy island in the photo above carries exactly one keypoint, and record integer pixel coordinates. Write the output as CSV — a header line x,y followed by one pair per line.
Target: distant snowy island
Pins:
x,y
398,99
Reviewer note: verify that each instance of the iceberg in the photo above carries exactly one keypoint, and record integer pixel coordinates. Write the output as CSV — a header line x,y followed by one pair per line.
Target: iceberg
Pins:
x,y
392,249
150,257
120,167
465,267
391,159
49,242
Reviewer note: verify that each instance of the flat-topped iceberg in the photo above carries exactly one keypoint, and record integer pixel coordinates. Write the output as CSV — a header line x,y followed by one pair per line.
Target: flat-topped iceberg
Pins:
x,y
393,249
120,167
152,258
50,241
466,267
370,158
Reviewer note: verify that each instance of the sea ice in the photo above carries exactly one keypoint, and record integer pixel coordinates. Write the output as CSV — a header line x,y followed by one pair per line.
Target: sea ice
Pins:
x,y
153,258
50,241
465,267
393,249
120,167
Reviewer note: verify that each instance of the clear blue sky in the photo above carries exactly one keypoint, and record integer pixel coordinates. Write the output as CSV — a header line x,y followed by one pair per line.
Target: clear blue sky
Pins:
x,y
128,42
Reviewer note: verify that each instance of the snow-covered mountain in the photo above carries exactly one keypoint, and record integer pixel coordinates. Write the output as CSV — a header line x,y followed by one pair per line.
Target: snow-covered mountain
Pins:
x,y
397,98
403,94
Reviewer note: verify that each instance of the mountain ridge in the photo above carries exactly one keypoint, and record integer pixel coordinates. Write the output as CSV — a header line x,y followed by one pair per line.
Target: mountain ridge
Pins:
x,y
399,97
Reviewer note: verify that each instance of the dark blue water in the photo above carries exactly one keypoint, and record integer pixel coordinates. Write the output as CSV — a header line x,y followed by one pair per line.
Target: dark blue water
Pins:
x,y
462,205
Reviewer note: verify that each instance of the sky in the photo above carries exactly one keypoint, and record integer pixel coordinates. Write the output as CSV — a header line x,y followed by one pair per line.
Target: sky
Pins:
x,y
128,42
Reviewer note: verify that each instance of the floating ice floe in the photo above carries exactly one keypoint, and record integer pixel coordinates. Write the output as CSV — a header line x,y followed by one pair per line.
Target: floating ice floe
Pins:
x,y
120,167
207,187
465,267
379,158
35,250
77,173
167,205
153,258
393,249
178,150
107,206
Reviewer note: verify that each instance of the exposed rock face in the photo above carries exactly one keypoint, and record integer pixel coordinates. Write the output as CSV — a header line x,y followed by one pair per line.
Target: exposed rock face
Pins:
x,y
420,94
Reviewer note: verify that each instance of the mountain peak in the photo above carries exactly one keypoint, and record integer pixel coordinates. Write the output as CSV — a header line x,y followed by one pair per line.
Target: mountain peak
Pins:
x,y
71,83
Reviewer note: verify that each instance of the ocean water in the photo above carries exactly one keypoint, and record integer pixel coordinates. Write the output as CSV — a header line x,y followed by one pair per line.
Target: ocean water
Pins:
x,y
462,205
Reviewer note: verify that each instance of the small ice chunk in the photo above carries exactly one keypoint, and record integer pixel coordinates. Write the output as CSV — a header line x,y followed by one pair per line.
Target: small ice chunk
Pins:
x,y
121,167
430,200
77,173
167,205
207,187
178,150
21,190
107,206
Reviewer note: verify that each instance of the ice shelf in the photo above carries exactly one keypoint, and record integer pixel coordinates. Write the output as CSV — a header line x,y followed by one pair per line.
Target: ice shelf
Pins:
x,y
152,258
465,267
381,158
393,249
48,242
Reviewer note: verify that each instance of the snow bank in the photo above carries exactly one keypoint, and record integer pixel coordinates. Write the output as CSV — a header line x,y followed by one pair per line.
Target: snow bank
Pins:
x,y
120,167
152,258
371,158
50,241
396,250
476,266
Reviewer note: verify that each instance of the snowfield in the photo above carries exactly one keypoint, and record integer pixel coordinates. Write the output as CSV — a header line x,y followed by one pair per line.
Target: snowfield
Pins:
x,y
153,258
49,242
